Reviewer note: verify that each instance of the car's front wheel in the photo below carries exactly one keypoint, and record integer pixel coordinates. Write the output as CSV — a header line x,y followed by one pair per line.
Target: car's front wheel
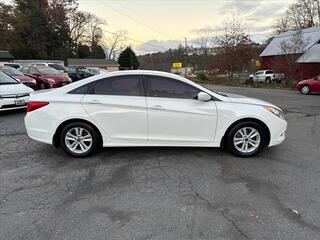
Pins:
x,y
246,139
79,139
305,89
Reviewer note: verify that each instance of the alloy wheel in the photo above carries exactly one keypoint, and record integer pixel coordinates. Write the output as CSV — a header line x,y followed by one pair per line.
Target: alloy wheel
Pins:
x,y
305,89
247,140
78,140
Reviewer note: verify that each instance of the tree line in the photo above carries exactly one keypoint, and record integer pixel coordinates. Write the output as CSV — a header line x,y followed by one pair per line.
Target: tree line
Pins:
x,y
50,29
226,50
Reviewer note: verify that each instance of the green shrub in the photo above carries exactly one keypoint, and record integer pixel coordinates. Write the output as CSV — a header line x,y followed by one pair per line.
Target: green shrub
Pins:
x,y
202,76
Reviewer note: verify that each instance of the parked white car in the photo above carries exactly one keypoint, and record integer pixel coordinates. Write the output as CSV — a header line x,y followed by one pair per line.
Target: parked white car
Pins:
x,y
148,108
267,76
13,94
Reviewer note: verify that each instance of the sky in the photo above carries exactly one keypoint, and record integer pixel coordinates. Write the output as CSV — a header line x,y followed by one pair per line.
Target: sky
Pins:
x,y
157,25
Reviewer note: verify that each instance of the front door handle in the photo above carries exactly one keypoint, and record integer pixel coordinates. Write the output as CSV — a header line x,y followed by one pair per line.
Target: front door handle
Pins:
x,y
94,101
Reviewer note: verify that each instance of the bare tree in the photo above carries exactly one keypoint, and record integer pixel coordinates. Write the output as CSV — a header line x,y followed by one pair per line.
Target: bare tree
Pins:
x,y
301,14
205,43
78,26
292,50
115,43
235,46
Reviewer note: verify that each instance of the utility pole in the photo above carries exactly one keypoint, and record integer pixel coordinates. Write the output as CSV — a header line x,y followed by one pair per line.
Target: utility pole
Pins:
x,y
131,62
151,61
186,56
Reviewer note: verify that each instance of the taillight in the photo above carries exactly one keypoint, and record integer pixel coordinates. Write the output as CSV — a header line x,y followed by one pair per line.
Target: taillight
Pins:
x,y
78,74
35,105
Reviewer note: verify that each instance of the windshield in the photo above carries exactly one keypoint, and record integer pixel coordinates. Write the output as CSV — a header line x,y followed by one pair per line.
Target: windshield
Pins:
x,y
6,79
12,71
48,71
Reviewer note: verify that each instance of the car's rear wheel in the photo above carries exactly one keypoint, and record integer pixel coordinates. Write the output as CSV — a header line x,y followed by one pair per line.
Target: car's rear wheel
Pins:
x,y
42,86
305,89
79,139
268,80
246,139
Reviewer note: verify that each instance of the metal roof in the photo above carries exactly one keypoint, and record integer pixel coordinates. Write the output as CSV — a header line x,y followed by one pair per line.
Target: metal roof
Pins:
x,y
312,55
5,55
310,36
92,62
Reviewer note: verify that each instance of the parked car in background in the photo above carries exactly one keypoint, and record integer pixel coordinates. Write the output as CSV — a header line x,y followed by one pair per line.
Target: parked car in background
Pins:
x,y
10,64
13,94
46,77
267,76
308,86
162,110
96,71
78,73
16,74
56,66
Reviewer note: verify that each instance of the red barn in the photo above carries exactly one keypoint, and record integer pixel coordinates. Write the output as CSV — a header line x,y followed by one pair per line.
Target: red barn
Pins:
x,y
295,53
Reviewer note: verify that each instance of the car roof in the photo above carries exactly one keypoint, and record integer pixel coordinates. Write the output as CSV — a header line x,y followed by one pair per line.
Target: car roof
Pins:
x,y
40,67
6,67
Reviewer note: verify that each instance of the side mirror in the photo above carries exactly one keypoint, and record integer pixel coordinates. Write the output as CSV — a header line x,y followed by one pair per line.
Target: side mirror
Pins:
x,y
204,97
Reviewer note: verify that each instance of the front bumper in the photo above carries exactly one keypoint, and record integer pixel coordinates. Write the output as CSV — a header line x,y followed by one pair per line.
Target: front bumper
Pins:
x,y
278,133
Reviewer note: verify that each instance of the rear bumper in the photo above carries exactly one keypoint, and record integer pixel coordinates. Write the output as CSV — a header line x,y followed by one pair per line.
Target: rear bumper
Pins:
x,y
38,128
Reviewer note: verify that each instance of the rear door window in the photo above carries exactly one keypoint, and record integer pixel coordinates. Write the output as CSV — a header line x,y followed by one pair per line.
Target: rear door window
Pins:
x,y
129,85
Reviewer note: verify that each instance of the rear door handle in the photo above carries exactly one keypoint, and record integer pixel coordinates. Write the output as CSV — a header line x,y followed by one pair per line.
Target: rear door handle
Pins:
x,y
157,107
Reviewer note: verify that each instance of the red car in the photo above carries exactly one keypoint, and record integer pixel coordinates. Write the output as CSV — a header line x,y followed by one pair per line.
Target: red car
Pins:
x,y
16,74
46,77
308,86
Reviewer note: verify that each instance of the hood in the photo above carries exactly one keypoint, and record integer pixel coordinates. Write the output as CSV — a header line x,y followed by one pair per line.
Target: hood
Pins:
x,y
11,89
243,99
57,77
305,81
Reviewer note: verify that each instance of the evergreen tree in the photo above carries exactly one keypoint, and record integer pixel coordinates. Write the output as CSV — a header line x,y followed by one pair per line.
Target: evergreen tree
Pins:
x,y
32,38
128,59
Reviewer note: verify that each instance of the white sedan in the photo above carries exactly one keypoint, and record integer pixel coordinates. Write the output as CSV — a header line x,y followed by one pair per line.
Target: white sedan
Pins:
x,y
148,108
13,94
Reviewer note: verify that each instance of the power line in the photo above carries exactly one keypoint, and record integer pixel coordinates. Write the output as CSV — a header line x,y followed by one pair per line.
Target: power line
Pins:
x,y
135,20
132,39
149,19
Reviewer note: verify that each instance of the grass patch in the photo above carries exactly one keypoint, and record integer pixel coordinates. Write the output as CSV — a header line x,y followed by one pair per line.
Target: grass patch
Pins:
x,y
237,82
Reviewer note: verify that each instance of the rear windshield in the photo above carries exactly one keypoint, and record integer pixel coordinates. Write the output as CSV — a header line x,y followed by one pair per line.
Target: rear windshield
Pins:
x,y
12,65
48,71
57,66
6,79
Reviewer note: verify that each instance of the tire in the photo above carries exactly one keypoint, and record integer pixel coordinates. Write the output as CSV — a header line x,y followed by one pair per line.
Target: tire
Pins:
x,y
259,137
305,89
268,80
42,86
86,139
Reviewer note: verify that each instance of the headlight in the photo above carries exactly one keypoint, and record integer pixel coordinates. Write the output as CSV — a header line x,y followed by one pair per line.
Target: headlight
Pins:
x,y
50,80
276,112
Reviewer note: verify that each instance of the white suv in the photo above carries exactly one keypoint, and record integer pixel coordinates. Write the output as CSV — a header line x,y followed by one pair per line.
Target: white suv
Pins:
x,y
267,76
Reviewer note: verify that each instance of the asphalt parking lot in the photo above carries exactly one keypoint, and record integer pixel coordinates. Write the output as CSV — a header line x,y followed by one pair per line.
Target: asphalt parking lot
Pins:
x,y
165,193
